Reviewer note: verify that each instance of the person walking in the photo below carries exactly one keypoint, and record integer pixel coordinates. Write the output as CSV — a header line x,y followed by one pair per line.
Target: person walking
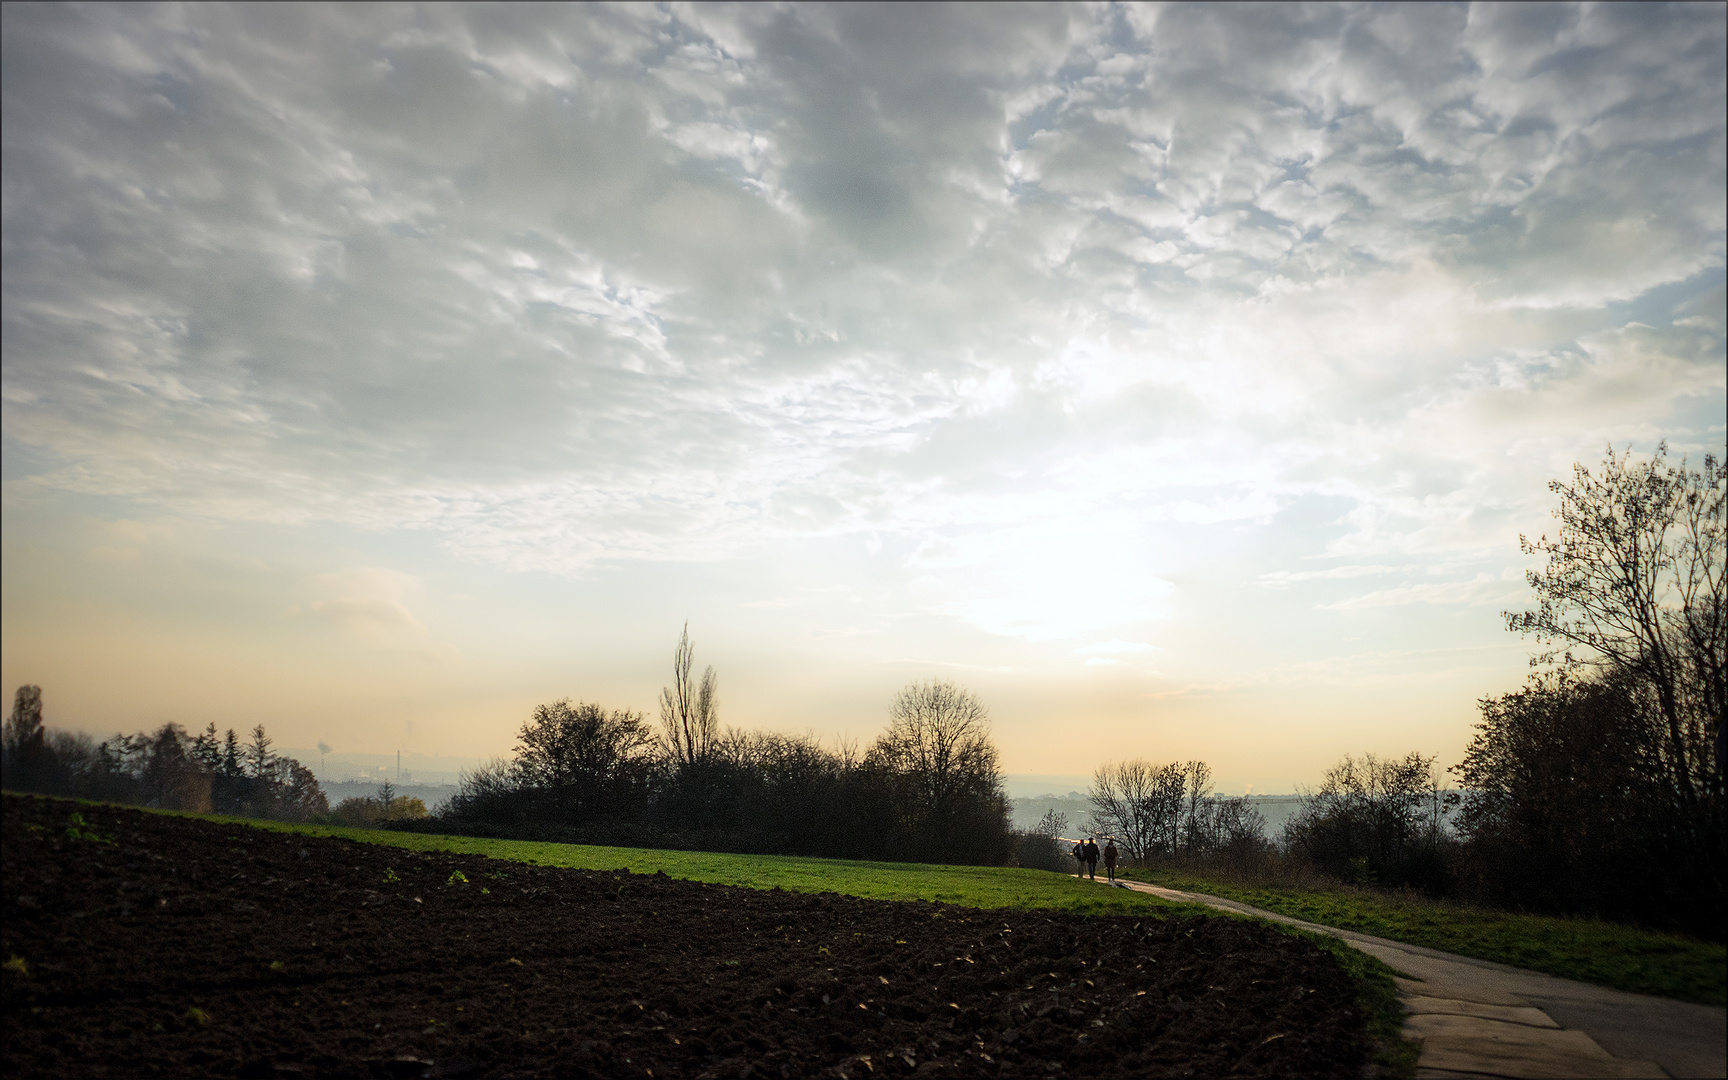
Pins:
x,y
1110,856
1079,857
1092,858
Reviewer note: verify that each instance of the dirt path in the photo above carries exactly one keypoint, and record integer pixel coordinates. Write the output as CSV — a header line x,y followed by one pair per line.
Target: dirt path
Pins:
x,y
1478,1018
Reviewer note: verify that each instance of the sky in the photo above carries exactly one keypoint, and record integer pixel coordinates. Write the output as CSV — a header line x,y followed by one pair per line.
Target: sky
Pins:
x,y
1178,379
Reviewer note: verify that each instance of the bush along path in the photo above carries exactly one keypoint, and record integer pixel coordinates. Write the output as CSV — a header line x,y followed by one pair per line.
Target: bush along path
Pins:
x,y
1475,1017
143,944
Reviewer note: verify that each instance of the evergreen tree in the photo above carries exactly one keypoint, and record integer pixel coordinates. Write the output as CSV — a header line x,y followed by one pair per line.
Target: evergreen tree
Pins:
x,y
206,750
231,754
258,755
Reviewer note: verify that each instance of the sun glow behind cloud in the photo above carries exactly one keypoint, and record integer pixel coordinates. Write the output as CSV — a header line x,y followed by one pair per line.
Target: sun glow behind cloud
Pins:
x,y
886,341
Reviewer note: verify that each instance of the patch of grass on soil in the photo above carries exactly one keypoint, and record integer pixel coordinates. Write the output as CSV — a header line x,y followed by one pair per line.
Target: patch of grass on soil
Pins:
x,y
1589,950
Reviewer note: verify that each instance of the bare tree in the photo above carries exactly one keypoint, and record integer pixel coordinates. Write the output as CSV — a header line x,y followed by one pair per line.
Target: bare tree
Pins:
x,y
1125,804
1636,580
1169,799
1052,824
846,753
939,737
689,712
1117,803
1238,832
1197,814
1144,805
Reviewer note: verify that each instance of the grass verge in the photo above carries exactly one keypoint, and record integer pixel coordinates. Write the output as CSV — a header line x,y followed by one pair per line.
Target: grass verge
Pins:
x,y
1377,997
1588,950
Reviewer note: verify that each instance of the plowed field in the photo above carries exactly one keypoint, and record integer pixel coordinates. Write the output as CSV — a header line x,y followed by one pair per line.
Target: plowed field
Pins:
x,y
139,944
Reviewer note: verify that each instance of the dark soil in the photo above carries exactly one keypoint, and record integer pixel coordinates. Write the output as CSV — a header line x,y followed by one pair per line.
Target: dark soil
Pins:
x,y
139,944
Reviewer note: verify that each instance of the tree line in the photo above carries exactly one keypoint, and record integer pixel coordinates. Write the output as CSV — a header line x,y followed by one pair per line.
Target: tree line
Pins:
x,y
167,768
927,789
1161,812
1370,822
368,812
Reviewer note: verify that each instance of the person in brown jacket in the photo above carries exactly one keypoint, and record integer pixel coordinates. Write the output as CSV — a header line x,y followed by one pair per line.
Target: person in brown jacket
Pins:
x,y
1110,854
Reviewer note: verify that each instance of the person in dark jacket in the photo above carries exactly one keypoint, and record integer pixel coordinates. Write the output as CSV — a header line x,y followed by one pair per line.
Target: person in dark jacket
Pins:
x,y
1092,858
1079,858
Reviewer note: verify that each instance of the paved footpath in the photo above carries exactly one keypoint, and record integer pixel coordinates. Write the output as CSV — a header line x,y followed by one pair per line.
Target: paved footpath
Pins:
x,y
1476,1018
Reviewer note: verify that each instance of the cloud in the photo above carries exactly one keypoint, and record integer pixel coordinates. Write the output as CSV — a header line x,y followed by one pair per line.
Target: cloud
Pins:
x,y
1116,647
1283,579
367,604
1116,653
1389,667
574,286
1484,589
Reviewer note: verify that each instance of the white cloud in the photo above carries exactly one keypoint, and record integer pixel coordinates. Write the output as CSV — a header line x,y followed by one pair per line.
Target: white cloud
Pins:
x,y
1033,292
367,603
1283,579
1118,653
1116,647
1503,589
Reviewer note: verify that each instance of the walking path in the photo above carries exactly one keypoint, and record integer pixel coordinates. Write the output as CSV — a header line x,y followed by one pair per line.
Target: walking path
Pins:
x,y
1476,1018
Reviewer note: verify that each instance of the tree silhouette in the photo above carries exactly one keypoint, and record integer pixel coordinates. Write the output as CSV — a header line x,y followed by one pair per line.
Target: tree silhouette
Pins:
x,y
689,712
939,738
258,755
1637,579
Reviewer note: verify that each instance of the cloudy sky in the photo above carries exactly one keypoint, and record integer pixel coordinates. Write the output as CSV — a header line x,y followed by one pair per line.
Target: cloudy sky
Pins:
x,y
1180,379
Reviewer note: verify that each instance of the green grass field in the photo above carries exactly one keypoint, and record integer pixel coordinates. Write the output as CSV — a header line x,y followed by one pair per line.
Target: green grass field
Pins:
x,y
972,886
1589,950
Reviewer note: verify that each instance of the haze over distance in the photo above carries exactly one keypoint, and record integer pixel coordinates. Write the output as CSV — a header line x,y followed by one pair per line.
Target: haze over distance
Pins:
x,y
1178,379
